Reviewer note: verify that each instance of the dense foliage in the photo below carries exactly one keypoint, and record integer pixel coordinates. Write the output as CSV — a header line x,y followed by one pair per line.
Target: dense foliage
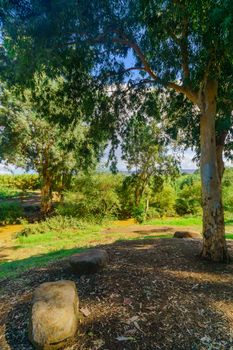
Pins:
x,y
32,138
180,46
24,182
108,196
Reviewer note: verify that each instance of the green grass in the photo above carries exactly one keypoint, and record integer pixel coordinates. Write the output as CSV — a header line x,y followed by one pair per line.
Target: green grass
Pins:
x,y
176,221
187,221
10,212
14,268
47,247
7,193
59,237
62,239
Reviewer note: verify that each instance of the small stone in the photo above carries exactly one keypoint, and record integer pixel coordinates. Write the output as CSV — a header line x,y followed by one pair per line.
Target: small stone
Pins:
x,y
85,311
186,234
89,262
54,315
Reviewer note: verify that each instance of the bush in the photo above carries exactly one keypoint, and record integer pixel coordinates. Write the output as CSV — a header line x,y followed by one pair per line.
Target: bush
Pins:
x,y
152,213
139,213
6,192
53,224
189,196
22,182
227,188
165,200
10,213
93,197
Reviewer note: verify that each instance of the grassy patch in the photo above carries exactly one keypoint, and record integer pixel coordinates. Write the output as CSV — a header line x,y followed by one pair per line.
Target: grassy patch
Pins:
x,y
177,221
14,268
49,247
56,238
6,193
10,212
195,221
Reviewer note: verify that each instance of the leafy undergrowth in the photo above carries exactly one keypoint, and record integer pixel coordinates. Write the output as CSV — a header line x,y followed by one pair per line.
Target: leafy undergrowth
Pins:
x,y
10,212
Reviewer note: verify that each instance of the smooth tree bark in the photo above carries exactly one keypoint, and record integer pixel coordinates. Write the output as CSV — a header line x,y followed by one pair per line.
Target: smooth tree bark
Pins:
x,y
212,166
214,243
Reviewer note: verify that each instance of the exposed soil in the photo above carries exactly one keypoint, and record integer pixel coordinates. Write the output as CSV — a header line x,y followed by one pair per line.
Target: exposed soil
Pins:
x,y
155,294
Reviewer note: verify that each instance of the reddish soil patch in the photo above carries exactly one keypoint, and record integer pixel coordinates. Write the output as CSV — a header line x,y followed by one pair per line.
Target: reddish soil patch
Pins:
x,y
154,295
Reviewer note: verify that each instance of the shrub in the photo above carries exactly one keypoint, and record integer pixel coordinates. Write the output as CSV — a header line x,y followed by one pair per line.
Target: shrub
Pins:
x,y
53,224
139,213
165,200
189,196
22,182
92,197
10,213
6,192
152,213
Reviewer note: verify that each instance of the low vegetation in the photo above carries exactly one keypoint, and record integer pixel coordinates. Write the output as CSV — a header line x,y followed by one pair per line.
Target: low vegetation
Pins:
x,y
102,196
93,203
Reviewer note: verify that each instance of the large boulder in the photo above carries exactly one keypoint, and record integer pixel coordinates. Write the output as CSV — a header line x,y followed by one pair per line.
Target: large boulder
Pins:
x,y
89,262
54,315
186,234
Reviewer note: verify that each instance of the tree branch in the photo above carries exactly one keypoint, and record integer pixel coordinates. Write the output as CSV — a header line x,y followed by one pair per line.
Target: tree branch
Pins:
x,y
191,95
124,40
184,49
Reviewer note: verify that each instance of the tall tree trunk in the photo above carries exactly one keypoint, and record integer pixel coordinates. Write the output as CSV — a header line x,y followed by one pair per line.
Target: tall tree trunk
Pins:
x,y
214,243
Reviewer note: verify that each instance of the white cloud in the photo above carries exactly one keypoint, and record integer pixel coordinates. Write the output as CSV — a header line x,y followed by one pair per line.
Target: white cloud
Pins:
x,y
10,169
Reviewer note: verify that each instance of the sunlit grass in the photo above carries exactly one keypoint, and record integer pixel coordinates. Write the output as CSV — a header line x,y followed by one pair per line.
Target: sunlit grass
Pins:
x,y
58,239
7,192
176,221
188,221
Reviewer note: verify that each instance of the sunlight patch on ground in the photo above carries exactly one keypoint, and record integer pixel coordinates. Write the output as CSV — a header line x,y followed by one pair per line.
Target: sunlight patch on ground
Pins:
x,y
203,276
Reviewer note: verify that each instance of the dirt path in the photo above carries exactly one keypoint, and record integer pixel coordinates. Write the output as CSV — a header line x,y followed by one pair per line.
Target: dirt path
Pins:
x,y
7,240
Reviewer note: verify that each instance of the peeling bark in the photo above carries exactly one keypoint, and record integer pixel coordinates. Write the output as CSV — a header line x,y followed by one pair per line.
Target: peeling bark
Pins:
x,y
214,243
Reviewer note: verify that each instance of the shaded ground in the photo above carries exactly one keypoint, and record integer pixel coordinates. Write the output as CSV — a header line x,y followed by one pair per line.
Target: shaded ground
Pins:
x,y
30,202
155,294
18,255
27,199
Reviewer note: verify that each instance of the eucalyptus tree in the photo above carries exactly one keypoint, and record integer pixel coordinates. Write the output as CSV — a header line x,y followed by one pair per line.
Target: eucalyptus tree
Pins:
x,y
145,152
182,124
31,137
182,45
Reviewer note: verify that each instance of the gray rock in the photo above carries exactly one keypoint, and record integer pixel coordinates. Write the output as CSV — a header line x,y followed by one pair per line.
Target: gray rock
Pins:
x,y
54,315
186,234
89,262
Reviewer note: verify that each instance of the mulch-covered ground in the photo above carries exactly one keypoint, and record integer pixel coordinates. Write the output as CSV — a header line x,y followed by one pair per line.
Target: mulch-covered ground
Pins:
x,y
155,294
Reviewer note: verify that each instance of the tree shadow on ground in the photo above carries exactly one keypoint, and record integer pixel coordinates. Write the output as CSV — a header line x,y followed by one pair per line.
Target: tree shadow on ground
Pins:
x,y
156,292
13,268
